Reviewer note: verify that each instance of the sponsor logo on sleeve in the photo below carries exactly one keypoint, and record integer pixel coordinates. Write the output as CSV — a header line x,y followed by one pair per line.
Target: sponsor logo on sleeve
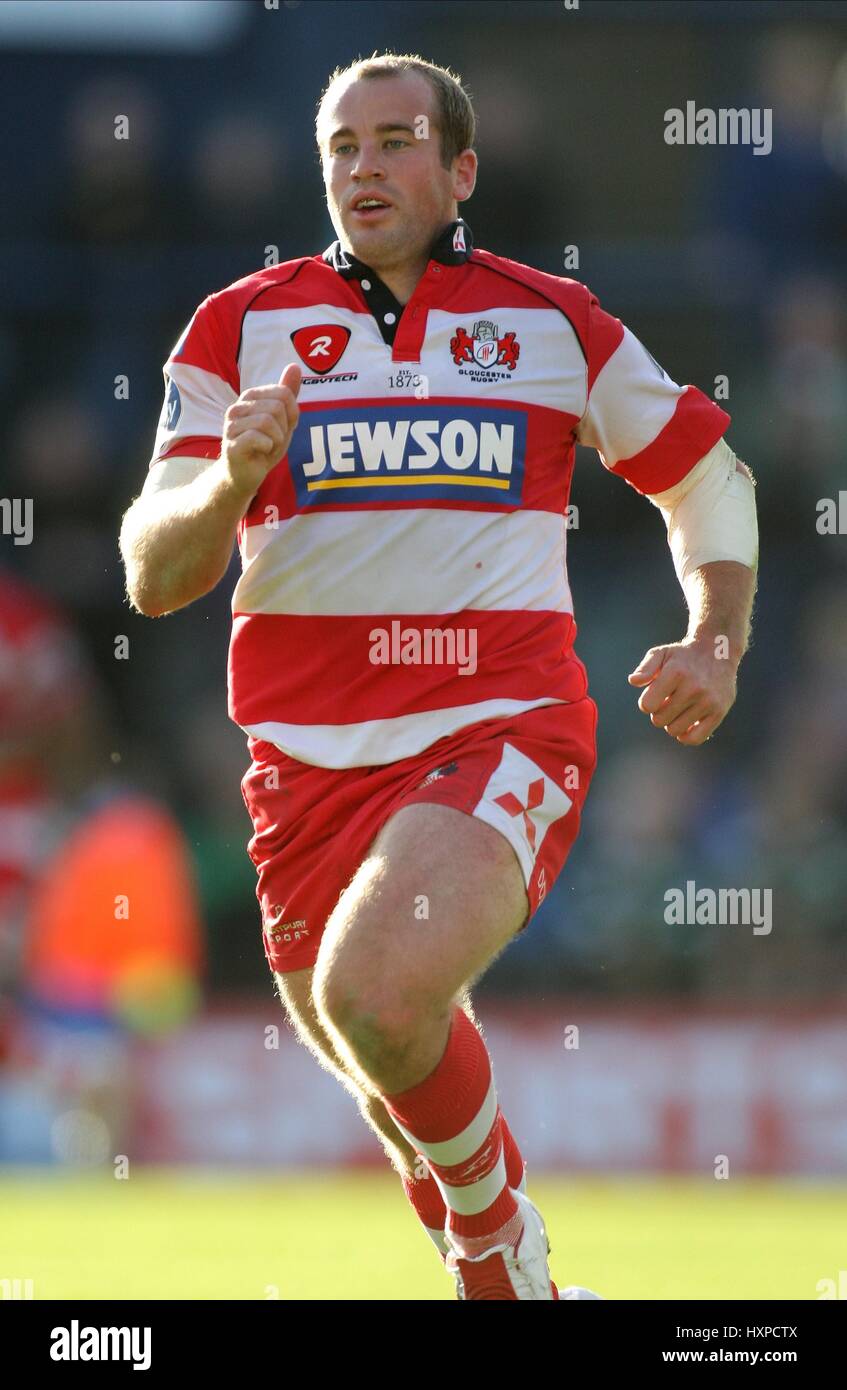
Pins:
x,y
171,407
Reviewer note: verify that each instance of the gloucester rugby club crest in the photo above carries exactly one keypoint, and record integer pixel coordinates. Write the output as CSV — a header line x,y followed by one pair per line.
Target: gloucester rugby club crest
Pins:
x,y
484,347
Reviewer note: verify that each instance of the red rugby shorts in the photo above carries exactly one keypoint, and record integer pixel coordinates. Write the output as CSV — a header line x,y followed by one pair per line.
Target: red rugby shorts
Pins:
x,y
526,775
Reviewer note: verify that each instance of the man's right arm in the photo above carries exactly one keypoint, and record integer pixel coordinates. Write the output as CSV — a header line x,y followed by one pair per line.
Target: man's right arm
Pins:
x,y
176,539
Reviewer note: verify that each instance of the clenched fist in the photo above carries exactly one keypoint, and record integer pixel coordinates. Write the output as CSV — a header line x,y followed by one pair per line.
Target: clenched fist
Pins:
x,y
689,690
258,429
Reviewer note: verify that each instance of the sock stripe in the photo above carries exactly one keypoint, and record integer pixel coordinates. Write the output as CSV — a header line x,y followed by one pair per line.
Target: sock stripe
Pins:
x,y
452,1117
479,1165
428,1202
450,1152
478,1195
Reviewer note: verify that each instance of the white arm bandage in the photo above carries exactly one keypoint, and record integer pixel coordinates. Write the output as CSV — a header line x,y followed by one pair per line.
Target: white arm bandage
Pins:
x,y
711,514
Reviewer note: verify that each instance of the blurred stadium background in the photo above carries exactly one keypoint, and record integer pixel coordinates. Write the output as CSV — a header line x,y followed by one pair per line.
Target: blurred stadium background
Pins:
x,y
156,1040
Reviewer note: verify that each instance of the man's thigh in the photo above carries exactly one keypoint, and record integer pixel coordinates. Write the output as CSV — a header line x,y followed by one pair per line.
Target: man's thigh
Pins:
x,y
439,895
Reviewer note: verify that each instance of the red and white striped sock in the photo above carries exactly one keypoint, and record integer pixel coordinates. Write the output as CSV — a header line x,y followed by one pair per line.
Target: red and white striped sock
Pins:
x,y
452,1118
425,1194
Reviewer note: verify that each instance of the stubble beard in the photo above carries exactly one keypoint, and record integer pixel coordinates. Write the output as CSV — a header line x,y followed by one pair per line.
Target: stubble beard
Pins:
x,y
392,250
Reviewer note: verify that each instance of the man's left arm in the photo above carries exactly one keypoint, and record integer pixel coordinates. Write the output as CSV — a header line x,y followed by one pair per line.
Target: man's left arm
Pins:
x,y
667,441
713,536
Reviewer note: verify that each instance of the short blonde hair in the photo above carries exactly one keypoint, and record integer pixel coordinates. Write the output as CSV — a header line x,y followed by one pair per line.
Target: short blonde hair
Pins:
x,y
453,110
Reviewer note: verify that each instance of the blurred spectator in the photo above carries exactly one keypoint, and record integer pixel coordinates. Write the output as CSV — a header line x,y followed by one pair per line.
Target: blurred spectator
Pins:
x,y
100,926
113,193
785,211
802,791
791,408
46,699
238,174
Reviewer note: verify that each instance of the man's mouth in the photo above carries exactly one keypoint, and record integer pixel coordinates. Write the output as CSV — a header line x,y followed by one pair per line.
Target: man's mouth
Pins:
x,y
370,209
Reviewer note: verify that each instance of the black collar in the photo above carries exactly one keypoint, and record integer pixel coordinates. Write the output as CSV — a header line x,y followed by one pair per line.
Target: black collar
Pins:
x,y
452,246
442,249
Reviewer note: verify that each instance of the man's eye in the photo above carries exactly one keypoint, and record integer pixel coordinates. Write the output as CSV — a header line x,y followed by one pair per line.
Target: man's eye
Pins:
x,y
396,140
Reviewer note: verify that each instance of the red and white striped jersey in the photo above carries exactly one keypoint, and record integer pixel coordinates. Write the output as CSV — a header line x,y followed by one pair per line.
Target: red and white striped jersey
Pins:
x,y
404,569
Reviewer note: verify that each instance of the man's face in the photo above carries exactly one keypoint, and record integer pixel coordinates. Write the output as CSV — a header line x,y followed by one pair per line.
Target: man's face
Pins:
x,y
369,146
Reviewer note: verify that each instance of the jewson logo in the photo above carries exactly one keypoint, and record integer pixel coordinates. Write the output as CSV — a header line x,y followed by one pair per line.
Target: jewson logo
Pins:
x,y
704,907
77,1343
441,452
726,126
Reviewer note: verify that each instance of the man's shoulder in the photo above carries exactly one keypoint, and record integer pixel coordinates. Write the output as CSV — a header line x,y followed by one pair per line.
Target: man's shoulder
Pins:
x,y
267,278
571,296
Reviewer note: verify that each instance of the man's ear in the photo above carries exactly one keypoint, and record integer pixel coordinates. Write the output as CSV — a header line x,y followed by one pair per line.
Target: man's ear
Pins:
x,y
469,168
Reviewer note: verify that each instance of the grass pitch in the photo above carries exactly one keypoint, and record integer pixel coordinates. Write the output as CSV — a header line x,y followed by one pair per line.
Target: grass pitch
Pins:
x,y
168,1234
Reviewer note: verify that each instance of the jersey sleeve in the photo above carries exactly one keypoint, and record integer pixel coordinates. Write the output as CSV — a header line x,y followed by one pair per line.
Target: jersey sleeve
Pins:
x,y
201,382
645,427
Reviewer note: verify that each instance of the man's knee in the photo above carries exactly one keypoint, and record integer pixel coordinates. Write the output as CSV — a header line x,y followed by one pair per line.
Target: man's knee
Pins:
x,y
298,1002
381,1014
377,1019
296,992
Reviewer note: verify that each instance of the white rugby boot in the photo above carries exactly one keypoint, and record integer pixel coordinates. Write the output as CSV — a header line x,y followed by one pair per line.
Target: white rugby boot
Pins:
x,y
510,1272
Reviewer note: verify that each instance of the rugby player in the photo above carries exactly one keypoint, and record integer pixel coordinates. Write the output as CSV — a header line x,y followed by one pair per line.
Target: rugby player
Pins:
x,y
387,429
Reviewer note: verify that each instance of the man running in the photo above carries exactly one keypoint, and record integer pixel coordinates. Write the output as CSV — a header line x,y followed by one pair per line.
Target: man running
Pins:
x,y
388,431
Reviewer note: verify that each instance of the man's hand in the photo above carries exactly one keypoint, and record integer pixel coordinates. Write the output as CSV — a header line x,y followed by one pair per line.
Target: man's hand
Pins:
x,y
690,689
258,430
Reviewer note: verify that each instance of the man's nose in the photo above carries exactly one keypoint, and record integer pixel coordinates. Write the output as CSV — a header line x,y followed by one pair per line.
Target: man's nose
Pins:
x,y
368,162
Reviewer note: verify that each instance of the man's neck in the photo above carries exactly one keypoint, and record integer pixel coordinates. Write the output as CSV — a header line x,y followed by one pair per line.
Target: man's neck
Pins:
x,y
402,281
